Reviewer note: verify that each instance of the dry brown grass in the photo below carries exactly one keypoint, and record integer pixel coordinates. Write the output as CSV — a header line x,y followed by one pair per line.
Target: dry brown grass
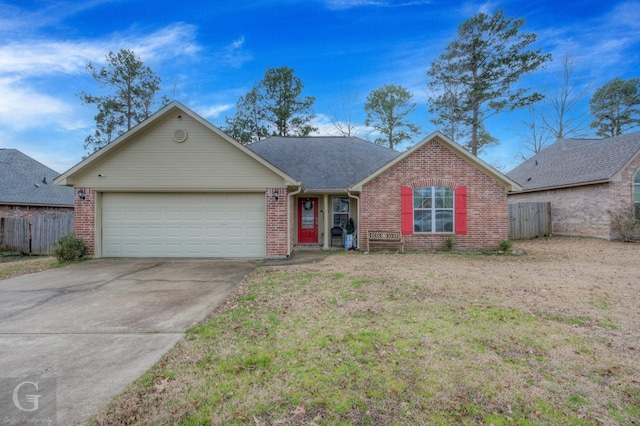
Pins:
x,y
15,266
547,337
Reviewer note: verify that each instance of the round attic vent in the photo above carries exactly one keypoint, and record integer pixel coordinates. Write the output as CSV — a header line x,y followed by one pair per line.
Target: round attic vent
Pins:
x,y
180,135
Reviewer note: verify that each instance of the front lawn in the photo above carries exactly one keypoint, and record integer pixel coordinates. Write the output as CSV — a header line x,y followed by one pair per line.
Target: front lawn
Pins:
x,y
547,337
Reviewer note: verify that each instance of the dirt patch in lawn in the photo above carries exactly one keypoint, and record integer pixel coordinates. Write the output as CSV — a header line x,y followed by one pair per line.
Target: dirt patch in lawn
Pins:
x,y
550,336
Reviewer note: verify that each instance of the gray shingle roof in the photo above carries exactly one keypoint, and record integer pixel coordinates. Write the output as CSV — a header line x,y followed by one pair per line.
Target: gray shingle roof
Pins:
x,y
570,162
324,162
23,180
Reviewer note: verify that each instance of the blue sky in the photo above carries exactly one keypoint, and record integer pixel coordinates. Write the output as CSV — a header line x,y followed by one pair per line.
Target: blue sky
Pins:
x,y
208,53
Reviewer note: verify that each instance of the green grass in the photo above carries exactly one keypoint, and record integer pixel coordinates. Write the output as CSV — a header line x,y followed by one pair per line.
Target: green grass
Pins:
x,y
340,348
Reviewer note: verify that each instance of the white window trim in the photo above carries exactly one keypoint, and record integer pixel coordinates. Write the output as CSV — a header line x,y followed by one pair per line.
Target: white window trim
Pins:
x,y
334,213
433,210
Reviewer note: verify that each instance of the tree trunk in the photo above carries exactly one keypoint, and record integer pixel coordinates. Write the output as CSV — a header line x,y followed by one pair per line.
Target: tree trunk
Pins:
x,y
474,132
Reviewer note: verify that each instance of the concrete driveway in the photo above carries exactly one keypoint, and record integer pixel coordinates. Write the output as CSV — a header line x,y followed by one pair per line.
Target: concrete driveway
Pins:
x,y
87,330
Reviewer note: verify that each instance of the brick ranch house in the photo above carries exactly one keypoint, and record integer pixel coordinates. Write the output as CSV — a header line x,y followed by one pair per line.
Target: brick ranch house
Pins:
x,y
27,188
177,186
583,179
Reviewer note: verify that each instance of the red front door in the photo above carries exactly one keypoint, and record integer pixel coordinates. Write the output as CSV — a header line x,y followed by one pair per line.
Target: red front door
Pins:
x,y
307,220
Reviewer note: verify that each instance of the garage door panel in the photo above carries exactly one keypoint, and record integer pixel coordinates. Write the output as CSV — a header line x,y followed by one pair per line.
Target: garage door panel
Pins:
x,y
154,232
253,232
173,215
213,232
153,215
194,232
194,216
183,225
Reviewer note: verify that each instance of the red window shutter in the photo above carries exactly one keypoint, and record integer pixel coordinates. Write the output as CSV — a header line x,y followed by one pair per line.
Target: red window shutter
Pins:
x,y
407,210
461,210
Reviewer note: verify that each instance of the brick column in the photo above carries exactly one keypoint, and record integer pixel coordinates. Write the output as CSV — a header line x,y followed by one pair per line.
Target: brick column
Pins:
x,y
276,223
84,217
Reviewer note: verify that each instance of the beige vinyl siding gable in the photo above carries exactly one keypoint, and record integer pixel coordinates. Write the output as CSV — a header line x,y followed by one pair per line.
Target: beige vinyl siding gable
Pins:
x,y
152,161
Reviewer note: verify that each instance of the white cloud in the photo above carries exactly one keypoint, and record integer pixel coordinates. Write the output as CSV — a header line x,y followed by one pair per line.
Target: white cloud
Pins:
x,y
470,9
327,128
235,55
14,20
22,107
348,4
238,43
26,64
604,48
38,57
213,111
169,42
625,15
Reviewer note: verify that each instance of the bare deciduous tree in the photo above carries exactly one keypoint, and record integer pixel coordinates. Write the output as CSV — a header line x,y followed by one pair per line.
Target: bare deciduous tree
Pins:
x,y
537,137
561,117
343,122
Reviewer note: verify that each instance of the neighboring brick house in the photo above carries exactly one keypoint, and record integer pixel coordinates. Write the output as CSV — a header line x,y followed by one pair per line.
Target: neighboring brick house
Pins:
x,y
177,186
27,187
584,180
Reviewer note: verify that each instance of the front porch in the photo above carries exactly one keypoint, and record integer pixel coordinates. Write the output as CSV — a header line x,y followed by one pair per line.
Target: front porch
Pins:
x,y
322,221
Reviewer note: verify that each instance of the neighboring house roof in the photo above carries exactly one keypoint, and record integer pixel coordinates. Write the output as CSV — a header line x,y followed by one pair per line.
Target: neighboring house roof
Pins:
x,y
573,162
25,181
324,162
509,184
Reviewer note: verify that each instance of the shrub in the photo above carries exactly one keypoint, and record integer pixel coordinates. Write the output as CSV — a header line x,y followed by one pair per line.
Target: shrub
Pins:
x,y
450,243
69,247
625,224
505,245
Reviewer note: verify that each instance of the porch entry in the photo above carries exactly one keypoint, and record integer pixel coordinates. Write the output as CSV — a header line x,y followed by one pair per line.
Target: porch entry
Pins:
x,y
307,220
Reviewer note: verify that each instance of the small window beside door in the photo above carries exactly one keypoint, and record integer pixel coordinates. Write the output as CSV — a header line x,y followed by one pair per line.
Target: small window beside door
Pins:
x,y
340,211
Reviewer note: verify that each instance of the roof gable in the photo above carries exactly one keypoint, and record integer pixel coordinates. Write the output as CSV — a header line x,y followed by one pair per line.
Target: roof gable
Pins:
x,y
324,162
573,162
24,180
150,157
456,149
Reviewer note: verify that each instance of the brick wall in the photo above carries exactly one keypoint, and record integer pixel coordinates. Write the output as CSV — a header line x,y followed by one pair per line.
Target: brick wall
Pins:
x,y
583,210
30,211
84,218
276,223
434,164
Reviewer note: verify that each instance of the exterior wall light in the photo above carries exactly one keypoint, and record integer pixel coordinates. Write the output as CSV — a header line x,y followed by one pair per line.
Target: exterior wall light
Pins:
x,y
275,195
81,194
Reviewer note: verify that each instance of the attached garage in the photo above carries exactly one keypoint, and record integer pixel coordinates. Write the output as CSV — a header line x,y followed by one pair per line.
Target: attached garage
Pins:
x,y
177,186
183,225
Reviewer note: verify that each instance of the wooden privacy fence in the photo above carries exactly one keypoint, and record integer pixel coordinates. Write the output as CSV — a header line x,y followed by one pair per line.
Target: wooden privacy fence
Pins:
x,y
529,220
37,234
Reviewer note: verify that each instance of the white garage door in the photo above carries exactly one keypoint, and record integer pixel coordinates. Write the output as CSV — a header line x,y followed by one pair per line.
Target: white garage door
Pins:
x,y
183,225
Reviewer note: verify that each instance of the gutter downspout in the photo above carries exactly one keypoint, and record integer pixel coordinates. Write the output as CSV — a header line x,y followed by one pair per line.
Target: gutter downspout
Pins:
x,y
289,196
357,198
